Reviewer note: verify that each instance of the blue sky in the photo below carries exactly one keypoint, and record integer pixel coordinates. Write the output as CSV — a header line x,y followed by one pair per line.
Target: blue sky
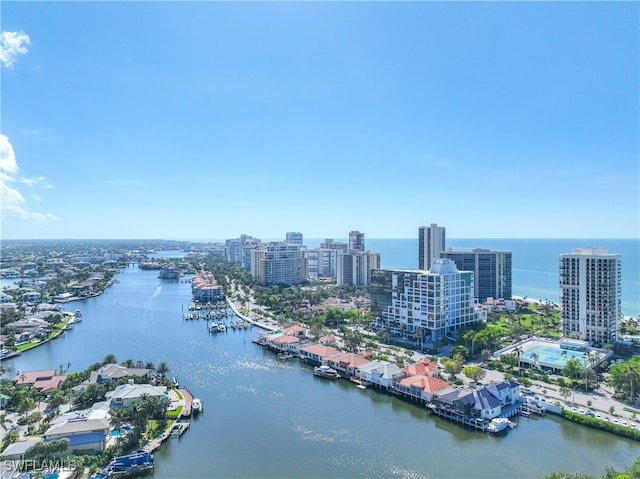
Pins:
x,y
210,119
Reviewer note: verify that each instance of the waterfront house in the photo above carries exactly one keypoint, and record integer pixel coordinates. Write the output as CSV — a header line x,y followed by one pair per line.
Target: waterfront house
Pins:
x,y
85,435
486,402
346,363
296,330
420,386
508,392
115,371
44,380
380,373
423,367
283,343
318,353
126,394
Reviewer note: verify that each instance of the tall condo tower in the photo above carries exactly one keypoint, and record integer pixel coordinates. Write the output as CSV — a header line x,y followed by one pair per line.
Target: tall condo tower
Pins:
x,y
431,242
294,237
590,295
356,241
491,269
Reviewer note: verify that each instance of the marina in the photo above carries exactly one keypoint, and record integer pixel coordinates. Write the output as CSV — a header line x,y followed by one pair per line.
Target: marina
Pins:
x,y
270,406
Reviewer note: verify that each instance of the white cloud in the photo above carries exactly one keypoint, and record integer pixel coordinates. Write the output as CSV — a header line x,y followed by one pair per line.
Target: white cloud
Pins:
x,y
38,180
27,132
8,163
12,45
12,202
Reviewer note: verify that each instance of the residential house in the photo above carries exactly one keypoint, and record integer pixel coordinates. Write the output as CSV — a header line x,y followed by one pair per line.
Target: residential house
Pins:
x,y
126,394
346,363
318,353
44,380
115,371
420,386
84,435
16,451
380,373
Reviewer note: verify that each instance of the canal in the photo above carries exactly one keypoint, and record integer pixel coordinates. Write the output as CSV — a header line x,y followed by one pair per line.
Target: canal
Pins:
x,y
264,418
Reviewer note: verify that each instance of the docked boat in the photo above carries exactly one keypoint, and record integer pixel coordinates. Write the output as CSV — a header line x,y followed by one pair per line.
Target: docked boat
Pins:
x,y
498,425
78,316
286,355
130,465
196,406
325,371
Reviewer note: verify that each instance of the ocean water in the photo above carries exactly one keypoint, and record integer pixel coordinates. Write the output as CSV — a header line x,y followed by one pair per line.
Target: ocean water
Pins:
x,y
535,262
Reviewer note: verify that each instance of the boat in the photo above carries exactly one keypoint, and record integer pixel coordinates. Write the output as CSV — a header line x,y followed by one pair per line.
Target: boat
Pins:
x,y
285,355
130,465
498,425
196,406
361,386
325,371
78,316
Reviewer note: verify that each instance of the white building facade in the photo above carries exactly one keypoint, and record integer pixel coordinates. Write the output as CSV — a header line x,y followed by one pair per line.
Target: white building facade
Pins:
x,y
590,295
354,267
431,242
425,305
277,263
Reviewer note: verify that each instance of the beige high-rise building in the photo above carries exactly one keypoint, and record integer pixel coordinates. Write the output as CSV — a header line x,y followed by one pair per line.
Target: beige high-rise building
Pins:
x,y
590,295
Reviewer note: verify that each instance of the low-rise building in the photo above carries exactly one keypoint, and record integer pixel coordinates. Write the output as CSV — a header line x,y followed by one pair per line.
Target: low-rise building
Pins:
x,y
126,394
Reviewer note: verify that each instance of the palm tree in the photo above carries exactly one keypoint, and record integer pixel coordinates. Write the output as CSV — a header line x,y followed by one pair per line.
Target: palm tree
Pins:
x,y
109,359
163,368
535,357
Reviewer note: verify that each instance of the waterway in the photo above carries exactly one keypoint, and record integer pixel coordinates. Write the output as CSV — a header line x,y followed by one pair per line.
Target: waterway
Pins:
x,y
264,418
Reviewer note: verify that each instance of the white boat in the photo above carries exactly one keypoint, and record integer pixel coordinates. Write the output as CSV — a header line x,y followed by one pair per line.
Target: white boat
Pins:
x,y
361,386
196,406
498,425
285,355
78,316
325,371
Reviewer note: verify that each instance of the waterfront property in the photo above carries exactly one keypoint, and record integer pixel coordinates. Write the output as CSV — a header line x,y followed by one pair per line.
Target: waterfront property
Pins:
x,y
553,355
423,305
590,295
44,380
84,433
126,394
491,269
205,288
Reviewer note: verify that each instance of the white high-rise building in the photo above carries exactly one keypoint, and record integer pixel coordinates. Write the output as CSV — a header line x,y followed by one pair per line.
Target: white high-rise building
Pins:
x,y
424,305
356,241
320,262
277,263
431,242
590,295
354,267
294,237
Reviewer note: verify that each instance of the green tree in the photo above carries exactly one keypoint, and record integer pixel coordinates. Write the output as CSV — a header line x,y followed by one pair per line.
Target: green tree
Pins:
x,y
625,377
163,368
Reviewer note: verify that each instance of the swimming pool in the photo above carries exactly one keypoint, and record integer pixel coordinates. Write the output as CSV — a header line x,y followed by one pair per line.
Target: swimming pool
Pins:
x,y
551,355
125,429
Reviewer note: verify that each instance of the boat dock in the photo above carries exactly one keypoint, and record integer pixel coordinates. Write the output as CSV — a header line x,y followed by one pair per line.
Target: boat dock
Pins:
x,y
476,423
188,400
177,429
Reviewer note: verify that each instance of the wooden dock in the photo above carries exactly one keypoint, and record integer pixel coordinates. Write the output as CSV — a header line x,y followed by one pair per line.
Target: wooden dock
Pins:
x,y
188,399
177,429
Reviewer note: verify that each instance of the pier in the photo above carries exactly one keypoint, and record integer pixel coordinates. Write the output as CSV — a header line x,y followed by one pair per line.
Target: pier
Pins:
x,y
476,423
188,399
